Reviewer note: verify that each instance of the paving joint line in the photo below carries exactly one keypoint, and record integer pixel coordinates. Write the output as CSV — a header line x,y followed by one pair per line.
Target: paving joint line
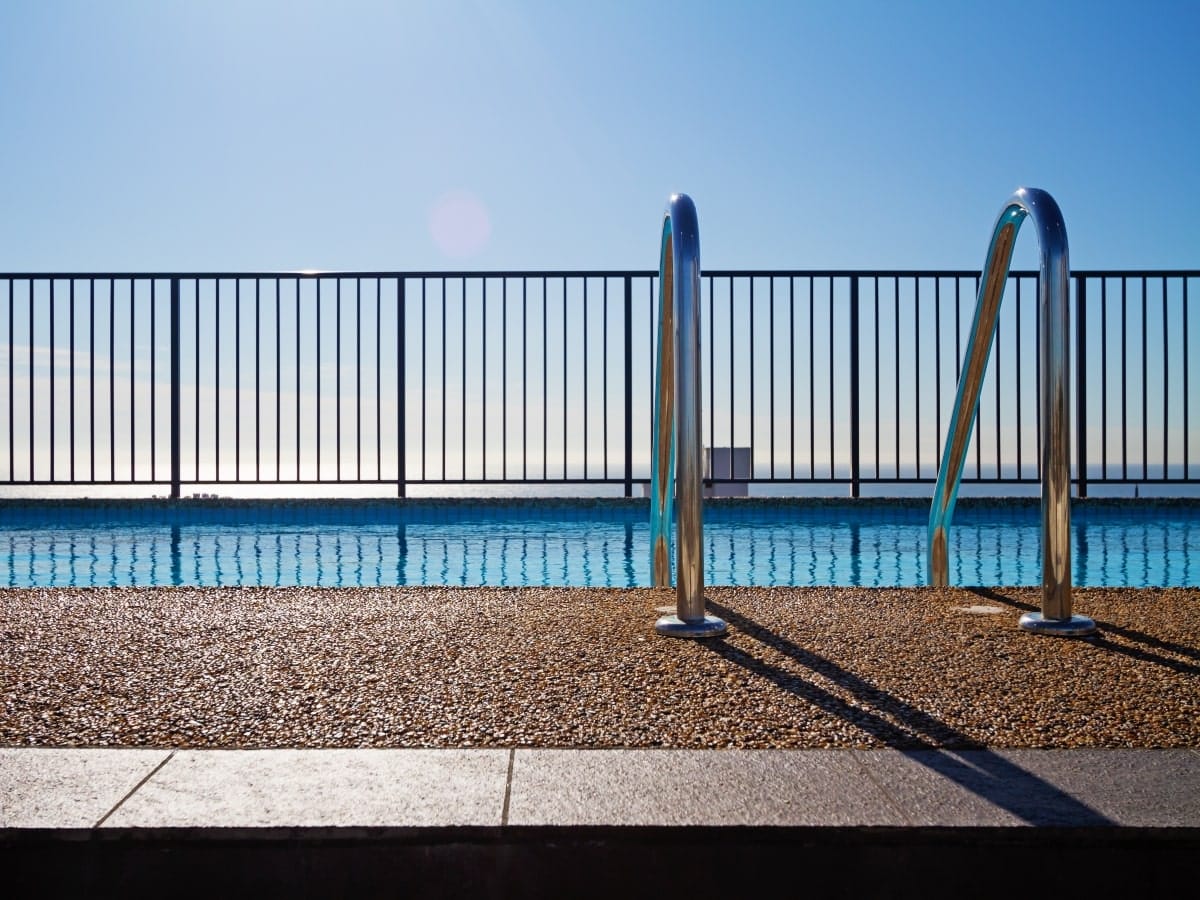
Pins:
x,y
137,787
856,755
512,755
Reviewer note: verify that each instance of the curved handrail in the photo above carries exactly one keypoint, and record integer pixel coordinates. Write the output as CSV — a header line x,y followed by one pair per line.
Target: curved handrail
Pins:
x,y
1054,359
676,428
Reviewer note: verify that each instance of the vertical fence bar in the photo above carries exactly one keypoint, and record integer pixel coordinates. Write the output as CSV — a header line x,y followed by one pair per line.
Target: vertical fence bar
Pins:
x,y
750,364
1104,378
463,379
483,345
937,367
813,390
91,373
442,328
854,385
1166,367
132,380
32,458
1187,421
298,367
978,420
503,380
442,406
217,379
196,381
545,382
358,377
402,412
604,378
379,379
916,377
12,416
628,385
1081,383
71,418
1037,331
175,379
237,379
258,379
853,375
112,384
317,343
712,385
585,377
524,378
153,380
278,385
732,381
1145,404
1124,380
896,359
771,370
998,380
792,371
50,411
337,381
875,393
424,376
564,375
1018,367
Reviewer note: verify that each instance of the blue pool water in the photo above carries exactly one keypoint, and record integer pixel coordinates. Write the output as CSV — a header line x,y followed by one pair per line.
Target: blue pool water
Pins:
x,y
572,542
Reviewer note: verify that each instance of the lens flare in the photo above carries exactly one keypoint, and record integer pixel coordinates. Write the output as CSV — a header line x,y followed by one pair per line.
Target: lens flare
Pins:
x,y
459,224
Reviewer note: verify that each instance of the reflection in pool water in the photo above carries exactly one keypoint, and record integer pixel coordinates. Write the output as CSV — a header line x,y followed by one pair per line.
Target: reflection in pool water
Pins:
x,y
574,543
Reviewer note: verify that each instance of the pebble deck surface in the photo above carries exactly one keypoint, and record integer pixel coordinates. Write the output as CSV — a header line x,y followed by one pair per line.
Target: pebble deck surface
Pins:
x,y
584,668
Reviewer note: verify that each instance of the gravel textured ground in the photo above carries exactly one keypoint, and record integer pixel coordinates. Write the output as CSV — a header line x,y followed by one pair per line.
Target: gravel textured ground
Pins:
x,y
537,667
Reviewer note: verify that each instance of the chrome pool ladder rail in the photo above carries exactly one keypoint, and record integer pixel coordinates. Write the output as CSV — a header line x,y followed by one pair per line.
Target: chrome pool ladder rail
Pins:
x,y
676,459
1055,427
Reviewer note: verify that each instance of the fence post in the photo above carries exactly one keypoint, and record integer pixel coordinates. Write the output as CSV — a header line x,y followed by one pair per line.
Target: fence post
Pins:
x,y
1081,384
175,474
628,385
401,413
854,385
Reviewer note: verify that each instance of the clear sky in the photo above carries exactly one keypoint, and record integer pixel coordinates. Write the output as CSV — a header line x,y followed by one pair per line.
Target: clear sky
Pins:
x,y
468,134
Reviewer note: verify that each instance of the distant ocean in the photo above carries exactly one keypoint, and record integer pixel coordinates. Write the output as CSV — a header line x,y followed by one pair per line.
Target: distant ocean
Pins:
x,y
552,489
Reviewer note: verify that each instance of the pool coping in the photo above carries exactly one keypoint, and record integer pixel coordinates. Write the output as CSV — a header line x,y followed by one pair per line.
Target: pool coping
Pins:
x,y
100,789
552,822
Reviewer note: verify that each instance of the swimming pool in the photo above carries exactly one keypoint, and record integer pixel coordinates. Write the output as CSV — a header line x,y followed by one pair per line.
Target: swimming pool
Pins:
x,y
601,542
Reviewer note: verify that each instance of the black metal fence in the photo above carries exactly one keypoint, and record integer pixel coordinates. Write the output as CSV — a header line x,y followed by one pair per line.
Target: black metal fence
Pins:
x,y
821,378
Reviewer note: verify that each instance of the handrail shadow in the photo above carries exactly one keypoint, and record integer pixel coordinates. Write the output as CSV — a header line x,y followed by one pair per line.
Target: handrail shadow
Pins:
x,y
984,772
1101,639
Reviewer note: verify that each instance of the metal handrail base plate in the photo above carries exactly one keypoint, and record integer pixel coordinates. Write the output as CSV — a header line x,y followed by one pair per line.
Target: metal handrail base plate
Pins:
x,y
673,626
1075,626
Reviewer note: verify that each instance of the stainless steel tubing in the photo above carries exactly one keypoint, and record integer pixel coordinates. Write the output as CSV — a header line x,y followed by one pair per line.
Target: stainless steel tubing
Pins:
x,y
676,431
1054,358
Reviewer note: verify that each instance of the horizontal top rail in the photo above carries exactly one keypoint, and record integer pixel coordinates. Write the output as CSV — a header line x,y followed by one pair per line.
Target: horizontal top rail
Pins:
x,y
306,274
591,273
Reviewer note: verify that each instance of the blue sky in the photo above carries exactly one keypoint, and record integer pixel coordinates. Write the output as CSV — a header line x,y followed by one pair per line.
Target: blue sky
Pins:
x,y
465,134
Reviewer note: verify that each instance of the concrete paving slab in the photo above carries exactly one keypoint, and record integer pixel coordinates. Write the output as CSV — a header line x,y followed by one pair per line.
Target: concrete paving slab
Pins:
x,y
694,787
312,788
1137,788
974,788
936,788
68,788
